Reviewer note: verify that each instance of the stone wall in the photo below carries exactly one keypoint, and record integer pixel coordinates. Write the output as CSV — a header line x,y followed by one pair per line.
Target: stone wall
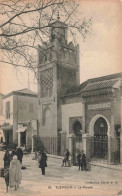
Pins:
x,y
70,110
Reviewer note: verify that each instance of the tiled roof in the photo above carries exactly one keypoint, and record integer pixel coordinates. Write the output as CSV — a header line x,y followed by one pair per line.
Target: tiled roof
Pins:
x,y
104,82
95,86
100,85
107,77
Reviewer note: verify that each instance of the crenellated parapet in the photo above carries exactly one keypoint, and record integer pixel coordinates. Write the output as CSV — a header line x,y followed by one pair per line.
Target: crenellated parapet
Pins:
x,y
52,51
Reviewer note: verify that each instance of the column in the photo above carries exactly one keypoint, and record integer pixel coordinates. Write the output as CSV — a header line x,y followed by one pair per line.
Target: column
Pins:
x,y
63,142
87,145
83,127
55,86
32,142
72,147
111,137
109,149
19,139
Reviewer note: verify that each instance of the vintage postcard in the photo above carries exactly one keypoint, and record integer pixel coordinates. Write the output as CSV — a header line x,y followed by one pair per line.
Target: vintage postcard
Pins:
x,y
60,97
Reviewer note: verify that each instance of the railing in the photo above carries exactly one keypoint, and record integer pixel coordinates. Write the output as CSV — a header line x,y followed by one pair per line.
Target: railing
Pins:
x,y
50,144
102,147
115,153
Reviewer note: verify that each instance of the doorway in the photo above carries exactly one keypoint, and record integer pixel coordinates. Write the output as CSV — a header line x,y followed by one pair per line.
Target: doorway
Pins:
x,y
100,139
23,138
77,142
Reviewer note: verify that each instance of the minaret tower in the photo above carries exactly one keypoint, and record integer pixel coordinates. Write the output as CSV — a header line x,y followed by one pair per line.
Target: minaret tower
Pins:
x,y
58,70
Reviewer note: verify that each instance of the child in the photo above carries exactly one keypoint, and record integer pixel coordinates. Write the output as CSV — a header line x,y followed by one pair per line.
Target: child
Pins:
x,y
64,162
70,159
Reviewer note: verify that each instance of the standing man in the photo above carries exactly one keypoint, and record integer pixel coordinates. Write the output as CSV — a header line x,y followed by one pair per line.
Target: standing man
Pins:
x,y
43,162
6,168
19,154
70,159
83,161
67,156
6,159
79,157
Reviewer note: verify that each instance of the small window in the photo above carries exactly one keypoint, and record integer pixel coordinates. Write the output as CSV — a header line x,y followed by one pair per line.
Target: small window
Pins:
x,y
77,131
31,107
8,109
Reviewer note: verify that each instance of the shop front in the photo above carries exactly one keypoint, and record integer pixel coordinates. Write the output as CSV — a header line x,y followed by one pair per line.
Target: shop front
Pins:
x,y
8,134
22,131
26,131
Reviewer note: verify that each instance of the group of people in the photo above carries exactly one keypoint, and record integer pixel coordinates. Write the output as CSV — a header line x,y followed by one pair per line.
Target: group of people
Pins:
x,y
81,160
13,165
12,168
67,159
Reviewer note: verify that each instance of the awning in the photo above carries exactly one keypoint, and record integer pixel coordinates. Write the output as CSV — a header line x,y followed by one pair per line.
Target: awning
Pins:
x,y
22,129
7,128
2,135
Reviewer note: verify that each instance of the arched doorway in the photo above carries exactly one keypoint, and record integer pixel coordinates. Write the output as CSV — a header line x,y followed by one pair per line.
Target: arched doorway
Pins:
x,y
77,142
77,127
101,138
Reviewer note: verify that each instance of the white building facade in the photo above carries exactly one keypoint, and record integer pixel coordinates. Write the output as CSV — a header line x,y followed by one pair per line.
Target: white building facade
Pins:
x,y
19,108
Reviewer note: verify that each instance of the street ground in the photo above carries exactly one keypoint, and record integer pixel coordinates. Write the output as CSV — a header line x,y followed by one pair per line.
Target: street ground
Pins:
x,y
64,181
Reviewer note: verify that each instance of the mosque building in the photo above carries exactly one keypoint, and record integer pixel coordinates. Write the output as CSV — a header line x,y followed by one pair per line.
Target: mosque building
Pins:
x,y
76,116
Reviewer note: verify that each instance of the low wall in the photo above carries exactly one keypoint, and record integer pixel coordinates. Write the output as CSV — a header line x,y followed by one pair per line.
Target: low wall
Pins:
x,y
94,166
54,158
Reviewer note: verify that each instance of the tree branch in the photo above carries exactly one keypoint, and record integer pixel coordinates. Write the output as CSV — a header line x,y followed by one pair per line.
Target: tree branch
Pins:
x,y
29,11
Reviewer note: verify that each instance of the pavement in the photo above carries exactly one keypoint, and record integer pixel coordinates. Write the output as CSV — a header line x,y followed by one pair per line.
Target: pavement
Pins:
x,y
63,181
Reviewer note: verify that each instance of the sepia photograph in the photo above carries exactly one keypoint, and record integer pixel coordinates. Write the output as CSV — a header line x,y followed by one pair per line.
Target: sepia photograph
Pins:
x,y
61,97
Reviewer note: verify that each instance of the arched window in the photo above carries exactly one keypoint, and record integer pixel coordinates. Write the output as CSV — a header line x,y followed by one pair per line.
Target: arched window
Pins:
x,y
100,127
47,117
77,127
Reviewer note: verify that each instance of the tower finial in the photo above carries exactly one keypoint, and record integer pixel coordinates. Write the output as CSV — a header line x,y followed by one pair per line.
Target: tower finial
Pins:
x,y
58,17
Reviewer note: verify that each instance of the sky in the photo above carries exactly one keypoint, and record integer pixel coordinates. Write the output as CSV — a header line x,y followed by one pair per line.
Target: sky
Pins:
x,y
100,53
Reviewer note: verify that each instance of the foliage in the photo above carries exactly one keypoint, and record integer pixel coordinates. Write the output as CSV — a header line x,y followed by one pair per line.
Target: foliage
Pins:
x,y
12,146
38,144
25,24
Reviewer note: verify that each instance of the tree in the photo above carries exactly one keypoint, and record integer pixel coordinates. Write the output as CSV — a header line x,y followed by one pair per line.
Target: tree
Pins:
x,y
38,144
25,23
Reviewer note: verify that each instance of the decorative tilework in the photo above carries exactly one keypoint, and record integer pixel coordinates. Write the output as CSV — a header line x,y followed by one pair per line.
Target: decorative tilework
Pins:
x,y
70,100
46,82
72,121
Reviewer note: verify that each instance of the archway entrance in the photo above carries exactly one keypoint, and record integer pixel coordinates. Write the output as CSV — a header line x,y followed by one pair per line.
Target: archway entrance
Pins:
x,y
77,141
100,138
77,130
23,138
75,136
